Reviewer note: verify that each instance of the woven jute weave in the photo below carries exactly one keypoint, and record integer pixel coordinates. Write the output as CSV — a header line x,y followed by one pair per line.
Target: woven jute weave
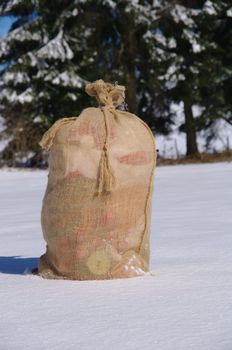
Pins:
x,y
96,210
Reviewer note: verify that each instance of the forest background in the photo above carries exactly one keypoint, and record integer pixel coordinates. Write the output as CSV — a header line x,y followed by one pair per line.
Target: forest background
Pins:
x,y
175,58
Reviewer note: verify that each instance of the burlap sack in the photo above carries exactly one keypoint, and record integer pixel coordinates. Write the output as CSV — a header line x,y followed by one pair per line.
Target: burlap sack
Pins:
x,y
95,213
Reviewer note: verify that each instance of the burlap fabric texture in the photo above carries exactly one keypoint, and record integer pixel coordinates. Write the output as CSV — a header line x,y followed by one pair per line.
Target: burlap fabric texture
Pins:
x,y
96,210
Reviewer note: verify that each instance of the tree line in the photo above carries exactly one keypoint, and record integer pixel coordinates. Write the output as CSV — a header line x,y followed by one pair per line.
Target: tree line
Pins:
x,y
165,52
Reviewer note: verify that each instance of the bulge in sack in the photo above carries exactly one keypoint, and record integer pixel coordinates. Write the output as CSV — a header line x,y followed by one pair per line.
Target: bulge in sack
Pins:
x,y
96,210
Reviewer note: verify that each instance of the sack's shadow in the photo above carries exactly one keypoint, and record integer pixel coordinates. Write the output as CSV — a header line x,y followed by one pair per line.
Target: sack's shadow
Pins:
x,y
16,265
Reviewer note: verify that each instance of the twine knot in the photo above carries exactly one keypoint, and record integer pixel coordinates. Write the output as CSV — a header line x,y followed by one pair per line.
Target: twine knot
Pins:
x,y
111,95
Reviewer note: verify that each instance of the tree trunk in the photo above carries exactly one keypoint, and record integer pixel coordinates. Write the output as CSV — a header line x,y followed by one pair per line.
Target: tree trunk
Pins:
x,y
131,94
191,136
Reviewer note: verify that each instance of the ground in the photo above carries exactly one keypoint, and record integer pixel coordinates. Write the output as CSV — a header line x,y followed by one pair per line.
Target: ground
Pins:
x,y
185,305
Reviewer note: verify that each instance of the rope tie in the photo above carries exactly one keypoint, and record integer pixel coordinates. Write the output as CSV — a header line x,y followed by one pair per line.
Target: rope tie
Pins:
x,y
106,178
109,97
47,138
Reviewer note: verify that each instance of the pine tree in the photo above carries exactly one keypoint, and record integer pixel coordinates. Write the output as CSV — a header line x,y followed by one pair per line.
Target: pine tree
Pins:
x,y
216,88
55,47
198,71
164,52
36,54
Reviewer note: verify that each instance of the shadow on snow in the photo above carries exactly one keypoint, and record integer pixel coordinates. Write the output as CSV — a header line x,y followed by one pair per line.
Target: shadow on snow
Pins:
x,y
16,265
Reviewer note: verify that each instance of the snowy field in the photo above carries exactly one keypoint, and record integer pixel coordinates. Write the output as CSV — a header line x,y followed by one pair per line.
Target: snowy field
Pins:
x,y
185,305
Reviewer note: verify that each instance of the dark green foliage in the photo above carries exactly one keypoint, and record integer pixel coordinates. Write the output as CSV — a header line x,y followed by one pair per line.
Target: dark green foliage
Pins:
x,y
164,52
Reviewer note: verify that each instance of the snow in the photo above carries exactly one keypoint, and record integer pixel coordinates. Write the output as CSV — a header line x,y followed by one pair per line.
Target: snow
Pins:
x,y
174,144
9,6
193,39
229,12
4,141
145,14
158,36
209,8
57,48
182,14
222,137
72,96
75,12
69,14
172,43
186,304
12,96
3,144
22,34
109,3
37,119
68,79
15,78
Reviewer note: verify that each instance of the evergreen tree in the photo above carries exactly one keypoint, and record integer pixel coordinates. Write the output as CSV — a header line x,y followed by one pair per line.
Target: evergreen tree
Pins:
x,y
55,47
216,88
164,52
198,66
36,86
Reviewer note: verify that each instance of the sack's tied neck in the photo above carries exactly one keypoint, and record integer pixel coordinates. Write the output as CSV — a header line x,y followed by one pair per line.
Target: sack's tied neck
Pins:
x,y
109,97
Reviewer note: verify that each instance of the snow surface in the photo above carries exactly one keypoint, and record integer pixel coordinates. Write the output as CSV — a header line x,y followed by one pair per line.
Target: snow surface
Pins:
x,y
186,304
